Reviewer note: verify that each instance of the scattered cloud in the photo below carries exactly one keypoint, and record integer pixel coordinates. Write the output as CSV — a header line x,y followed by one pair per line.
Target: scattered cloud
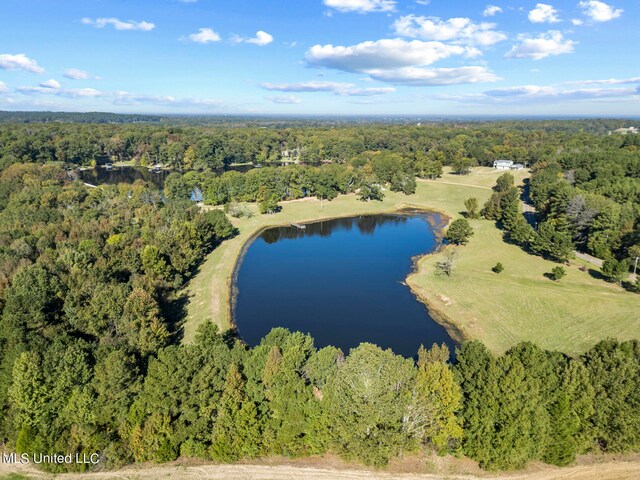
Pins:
x,y
285,99
551,93
368,92
576,22
313,86
491,11
337,88
19,62
544,13
455,30
361,6
261,39
3,87
542,46
421,77
121,97
51,83
62,92
75,74
599,11
423,2
382,54
609,81
119,24
204,35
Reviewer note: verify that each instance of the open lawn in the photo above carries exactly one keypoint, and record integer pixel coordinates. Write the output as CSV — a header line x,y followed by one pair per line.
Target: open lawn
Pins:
x,y
499,309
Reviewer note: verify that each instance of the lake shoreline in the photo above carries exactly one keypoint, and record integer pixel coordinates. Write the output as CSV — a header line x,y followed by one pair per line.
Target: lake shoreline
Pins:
x,y
438,227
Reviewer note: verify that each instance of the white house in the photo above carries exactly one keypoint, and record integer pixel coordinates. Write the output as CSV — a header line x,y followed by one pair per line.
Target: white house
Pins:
x,y
626,131
503,164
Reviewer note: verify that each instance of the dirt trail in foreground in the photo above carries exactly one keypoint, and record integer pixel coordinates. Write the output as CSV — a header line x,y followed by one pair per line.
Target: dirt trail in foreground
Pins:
x,y
602,471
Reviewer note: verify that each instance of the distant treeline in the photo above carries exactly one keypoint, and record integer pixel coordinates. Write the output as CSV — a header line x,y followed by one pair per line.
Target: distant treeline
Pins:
x,y
71,117
91,359
186,147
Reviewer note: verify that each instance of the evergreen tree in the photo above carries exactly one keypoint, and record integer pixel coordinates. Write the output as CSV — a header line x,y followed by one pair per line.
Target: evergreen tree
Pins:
x,y
236,431
459,232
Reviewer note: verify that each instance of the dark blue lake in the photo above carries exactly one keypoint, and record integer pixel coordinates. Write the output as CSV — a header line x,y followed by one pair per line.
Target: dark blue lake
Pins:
x,y
341,281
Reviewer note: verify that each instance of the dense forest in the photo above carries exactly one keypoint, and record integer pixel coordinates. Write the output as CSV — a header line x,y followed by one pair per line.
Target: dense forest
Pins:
x,y
91,358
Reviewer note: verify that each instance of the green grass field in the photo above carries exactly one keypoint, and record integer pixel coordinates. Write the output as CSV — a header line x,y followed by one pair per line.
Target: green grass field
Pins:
x,y
499,309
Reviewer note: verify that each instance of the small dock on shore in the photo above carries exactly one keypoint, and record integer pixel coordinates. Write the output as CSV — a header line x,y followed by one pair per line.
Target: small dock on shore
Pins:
x,y
299,226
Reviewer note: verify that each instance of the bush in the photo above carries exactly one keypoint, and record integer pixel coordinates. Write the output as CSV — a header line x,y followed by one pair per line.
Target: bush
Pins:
x,y
269,205
498,268
557,273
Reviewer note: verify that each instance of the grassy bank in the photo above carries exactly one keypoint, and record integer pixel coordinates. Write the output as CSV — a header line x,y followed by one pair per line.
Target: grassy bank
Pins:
x,y
518,304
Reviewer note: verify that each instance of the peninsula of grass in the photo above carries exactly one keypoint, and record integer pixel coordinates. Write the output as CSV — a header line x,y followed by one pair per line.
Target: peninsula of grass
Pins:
x,y
500,309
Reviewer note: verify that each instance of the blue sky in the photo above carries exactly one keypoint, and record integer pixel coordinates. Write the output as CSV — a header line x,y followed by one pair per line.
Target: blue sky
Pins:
x,y
561,57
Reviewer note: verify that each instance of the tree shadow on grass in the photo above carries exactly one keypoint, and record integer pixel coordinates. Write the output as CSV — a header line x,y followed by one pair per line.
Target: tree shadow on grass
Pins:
x,y
596,274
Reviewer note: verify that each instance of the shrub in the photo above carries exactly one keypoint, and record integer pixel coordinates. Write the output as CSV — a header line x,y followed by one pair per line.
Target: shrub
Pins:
x,y
557,273
498,268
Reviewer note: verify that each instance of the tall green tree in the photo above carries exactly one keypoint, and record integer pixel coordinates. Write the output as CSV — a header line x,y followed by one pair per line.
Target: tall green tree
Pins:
x,y
367,401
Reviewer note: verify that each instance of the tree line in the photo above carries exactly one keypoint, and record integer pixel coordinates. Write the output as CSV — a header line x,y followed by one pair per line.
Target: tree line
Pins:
x,y
214,146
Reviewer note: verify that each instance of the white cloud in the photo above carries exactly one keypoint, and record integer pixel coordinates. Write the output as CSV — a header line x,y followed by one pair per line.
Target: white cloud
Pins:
x,y
420,77
62,92
361,6
75,74
368,92
401,62
3,87
542,46
204,35
313,86
285,99
544,94
456,30
576,22
600,11
121,97
608,81
119,24
382,54
261,39
337,88
19,62
544,13
551,93
51,83
491,10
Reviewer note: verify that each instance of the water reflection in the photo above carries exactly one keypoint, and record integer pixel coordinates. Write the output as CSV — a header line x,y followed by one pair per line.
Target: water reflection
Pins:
x,y
366,224
340,280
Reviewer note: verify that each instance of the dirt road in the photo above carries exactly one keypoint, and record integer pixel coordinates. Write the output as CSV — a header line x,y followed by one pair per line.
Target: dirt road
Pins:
x,y
602,471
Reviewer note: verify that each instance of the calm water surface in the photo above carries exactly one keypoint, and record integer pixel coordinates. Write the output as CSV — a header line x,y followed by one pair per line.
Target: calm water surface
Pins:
x,y
102,176
341,281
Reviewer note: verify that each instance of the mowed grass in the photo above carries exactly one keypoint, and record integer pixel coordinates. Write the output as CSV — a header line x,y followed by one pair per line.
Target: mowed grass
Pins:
x,y
499,309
